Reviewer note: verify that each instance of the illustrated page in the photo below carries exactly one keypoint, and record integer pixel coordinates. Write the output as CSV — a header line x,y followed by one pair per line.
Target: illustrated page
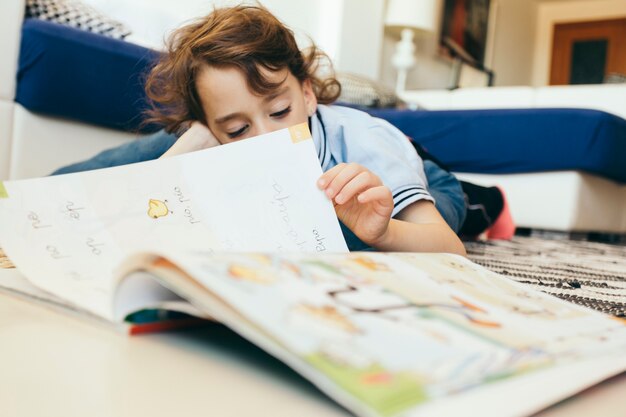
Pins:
x,y
397,331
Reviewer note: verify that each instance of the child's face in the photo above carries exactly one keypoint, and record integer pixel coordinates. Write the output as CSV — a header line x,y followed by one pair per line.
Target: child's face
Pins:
x,y
233,112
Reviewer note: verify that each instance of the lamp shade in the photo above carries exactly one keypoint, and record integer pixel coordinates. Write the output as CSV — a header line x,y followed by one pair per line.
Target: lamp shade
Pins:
x,y
419,15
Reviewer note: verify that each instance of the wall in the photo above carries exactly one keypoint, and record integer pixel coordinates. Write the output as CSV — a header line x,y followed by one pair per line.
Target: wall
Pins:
x,y
349,31
361,38
551,12
513,42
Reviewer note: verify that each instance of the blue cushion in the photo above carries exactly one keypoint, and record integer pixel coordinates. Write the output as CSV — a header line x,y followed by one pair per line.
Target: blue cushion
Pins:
x,y
72,73
519,140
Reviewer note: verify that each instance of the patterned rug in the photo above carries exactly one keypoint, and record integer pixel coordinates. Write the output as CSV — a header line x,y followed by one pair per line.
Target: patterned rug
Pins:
x,y
586,273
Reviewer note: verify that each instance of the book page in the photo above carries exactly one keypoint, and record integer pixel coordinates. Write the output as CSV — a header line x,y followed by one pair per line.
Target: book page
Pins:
x,y
67,233
398,334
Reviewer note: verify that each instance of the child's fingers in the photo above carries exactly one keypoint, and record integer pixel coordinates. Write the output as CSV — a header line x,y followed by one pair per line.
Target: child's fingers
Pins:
x,y
327,177
381,194
343,175
361,182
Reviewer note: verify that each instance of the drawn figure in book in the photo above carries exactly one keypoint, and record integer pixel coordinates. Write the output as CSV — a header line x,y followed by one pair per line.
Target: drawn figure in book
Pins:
x,y
324,316
251,274
260,270
157,208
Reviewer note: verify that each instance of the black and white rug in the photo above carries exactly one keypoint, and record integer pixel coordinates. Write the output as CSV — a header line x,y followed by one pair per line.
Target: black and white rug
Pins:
x,y
586,273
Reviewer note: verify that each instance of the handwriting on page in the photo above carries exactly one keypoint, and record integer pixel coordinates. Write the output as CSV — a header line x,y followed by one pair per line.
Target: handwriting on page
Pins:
x,y
280,201
187,210
94,246
55,252
35,221
72,211
319,241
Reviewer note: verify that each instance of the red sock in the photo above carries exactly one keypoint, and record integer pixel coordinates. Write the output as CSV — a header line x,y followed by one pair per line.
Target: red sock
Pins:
x,y
504,227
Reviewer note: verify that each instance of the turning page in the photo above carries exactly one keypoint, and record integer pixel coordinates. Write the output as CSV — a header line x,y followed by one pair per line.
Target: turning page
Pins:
x,y
412,334
66,234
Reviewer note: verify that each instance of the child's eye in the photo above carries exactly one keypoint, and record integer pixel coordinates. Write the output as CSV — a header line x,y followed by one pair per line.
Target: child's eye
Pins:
x,y
281,113
239,132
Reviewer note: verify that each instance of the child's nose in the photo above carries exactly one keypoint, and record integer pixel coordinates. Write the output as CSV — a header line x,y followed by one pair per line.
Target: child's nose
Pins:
x,y
263,127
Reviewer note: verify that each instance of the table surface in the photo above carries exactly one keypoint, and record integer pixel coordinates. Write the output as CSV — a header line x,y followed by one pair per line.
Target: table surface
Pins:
x,y
54,364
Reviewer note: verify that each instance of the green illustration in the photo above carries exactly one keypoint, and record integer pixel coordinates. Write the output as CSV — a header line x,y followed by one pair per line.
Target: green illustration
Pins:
x,y
386,392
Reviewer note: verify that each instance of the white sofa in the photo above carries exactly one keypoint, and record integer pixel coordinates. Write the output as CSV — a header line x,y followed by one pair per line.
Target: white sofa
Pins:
x,y
33,145
563,201
610,98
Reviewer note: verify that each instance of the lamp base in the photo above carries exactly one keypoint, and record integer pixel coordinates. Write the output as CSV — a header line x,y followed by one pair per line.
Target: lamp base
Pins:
x,y
403,58
401,81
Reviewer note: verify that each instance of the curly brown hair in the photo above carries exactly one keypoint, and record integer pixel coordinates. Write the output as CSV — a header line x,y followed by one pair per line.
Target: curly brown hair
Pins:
x,y
246,37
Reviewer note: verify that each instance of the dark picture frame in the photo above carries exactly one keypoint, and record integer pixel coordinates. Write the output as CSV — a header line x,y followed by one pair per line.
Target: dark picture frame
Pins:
x,y
464,29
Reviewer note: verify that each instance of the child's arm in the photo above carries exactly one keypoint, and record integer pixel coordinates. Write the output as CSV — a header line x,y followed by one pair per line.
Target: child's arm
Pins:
x,y
365,205
197,137
421,227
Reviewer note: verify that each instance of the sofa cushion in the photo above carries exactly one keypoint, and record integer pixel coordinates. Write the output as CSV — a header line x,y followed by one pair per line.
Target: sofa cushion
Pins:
x,y
361,91
509,141
71,73
76,14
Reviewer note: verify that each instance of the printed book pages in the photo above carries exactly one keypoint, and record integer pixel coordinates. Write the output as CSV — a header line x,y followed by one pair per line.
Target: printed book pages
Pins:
x,y
243,235
389,334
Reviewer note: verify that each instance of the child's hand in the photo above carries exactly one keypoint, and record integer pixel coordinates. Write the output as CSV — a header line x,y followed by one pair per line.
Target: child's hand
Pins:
x,y
196,138
361,200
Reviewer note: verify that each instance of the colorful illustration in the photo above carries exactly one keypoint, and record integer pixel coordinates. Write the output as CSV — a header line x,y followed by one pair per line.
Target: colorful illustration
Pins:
x,y
326,315
398,330
385,391
255,275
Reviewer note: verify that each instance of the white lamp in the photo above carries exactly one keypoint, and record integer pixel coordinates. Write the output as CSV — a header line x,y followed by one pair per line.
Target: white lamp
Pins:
x,y
410,16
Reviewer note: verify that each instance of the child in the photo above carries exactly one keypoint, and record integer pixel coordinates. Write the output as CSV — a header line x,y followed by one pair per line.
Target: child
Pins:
x,y
238,73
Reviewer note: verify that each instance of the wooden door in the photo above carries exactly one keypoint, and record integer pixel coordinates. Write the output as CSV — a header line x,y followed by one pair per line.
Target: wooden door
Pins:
x,y
585,52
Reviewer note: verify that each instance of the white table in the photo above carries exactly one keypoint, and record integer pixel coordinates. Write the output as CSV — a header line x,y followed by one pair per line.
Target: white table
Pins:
x,y
53,364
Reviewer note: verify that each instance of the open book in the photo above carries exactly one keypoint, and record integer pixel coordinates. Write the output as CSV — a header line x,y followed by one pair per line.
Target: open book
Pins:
x,y
68,233
241,234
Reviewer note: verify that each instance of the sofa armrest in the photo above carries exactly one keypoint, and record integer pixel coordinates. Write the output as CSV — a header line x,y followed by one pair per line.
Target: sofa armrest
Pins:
x,y
11,16
43,144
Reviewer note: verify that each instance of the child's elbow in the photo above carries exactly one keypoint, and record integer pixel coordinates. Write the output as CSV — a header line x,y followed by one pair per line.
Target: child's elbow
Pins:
x,y
460,250
456,246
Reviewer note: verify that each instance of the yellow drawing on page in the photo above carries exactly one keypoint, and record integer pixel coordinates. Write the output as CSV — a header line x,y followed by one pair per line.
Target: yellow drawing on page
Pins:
x,y
328,316
157,208
251,274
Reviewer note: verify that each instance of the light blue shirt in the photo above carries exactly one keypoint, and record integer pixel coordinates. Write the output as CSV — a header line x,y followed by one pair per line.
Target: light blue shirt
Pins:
x,y
342,134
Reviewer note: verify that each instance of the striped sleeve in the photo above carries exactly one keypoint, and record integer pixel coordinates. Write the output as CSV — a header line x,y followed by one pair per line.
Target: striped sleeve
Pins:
x,y
407,195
